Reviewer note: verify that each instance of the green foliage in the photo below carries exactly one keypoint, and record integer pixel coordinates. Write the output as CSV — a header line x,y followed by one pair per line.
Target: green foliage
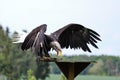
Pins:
x,y
30,75
14,62
62,77
42,70
97,68
54,68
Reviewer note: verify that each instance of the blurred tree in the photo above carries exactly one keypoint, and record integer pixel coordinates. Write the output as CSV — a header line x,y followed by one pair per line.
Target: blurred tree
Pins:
x,y
54,69
24,30
30,75
62,77
42,70
13,61
97,68
15,36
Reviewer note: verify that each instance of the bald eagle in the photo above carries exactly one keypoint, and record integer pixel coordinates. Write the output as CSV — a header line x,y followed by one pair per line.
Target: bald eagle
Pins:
x,y
73,35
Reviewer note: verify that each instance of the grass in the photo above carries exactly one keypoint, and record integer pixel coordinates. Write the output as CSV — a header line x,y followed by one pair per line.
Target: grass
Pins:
x,y
85,77
93,77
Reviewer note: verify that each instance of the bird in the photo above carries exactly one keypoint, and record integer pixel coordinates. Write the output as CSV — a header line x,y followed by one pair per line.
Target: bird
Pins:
x,y
73,36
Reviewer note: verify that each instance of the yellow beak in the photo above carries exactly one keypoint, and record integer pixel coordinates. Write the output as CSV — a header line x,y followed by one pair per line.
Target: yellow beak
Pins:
x,y
60,54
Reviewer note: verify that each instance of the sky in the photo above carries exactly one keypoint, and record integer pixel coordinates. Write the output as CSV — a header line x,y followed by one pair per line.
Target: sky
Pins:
x,y
103,16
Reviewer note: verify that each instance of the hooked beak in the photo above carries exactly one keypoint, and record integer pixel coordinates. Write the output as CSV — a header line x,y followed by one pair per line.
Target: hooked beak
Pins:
x,y
59,53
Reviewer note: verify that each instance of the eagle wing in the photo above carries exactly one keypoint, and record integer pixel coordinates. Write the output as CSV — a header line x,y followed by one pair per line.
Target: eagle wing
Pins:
x,y
76,36
34,38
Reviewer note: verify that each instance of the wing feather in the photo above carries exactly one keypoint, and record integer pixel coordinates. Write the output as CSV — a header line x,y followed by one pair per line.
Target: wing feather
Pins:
x,y
30,38
76,36
94,36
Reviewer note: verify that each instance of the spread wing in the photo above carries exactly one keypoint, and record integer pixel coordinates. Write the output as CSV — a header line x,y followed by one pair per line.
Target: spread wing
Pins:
x,y
76,36
34,38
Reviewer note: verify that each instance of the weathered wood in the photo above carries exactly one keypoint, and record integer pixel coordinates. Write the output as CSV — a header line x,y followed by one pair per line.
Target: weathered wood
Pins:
x,y
72,69
71,72
69,68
